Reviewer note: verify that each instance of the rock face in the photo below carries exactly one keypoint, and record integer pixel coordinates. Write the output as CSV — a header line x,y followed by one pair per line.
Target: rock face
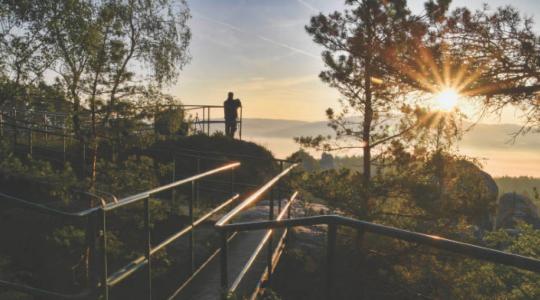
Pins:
x,y
514,207
479,190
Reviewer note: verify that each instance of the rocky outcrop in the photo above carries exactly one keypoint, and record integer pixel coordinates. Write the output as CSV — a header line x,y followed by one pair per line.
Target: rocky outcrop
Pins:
x,y
515,207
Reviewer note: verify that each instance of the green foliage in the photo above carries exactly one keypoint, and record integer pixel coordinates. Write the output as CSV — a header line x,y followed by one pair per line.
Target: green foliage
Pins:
x,y
492,281
135,174
171,122
36,179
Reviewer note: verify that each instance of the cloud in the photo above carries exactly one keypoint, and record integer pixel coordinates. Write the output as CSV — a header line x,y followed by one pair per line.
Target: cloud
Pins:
x,y
258,36
308,5
279,84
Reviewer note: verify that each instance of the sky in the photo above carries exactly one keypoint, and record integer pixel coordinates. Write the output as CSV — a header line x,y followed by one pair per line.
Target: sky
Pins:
x,y
259,49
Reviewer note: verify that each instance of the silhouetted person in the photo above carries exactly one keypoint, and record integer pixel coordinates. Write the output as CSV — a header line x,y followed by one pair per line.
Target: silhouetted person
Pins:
x,y
231,106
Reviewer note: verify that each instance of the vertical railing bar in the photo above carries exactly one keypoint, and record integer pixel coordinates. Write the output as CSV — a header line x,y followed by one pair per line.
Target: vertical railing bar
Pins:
x,y
30,146
104,272
191,232
148,246
330,263
46,129
2,124
232,181
198,183
270,250
204,120
279,187
208,121
223,262
15,127
91,255
64,140
173,191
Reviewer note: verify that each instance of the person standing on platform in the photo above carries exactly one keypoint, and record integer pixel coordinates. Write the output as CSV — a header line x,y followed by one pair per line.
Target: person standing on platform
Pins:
x,y
230,107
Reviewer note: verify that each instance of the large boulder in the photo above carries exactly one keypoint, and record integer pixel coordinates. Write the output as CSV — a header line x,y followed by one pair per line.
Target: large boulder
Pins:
x,y
515,207
472,193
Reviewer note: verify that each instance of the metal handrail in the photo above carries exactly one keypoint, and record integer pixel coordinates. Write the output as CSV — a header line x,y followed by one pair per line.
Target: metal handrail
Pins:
x,y
99,213
46,209
221,226
469,250
146,194
139,262
253,198
261,244
124,201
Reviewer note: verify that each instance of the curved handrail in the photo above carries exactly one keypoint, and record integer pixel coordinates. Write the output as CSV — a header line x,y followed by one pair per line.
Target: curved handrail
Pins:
x,y
45,209
260,246
146,194
253,198
141,261
478,252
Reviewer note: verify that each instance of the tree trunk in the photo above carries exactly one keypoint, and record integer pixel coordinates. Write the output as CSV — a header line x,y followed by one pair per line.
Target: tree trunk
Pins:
x,y
366,128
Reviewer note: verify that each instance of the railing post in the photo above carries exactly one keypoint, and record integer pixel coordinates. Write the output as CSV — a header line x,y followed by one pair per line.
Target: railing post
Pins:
x,y
64,139
198,183
2,124
104,272
232,181
15,127
330,254
30,146
173,191
192,231
289,209
270,250
208,121
84,157
223,262
279,187
148,248
91,254
46,129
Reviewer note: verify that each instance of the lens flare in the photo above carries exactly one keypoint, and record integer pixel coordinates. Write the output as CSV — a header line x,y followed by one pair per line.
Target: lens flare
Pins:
x,y
446,100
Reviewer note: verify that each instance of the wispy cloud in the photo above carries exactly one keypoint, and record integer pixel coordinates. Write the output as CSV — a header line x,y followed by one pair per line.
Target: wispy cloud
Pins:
x,y
308,5
258,36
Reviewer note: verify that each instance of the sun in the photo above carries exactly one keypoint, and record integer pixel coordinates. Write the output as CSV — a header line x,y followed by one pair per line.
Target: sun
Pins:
x,y
446,100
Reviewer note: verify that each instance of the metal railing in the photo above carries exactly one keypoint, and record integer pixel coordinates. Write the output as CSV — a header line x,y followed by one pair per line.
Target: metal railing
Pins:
x,y
101,281
206,121
333,221
56,123
273,254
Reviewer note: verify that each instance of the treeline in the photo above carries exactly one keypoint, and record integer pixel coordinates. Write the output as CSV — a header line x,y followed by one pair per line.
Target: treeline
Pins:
x,y
525,185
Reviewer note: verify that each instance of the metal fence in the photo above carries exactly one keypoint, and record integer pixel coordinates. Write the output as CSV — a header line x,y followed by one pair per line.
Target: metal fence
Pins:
x,y
333,221
101,280
273,253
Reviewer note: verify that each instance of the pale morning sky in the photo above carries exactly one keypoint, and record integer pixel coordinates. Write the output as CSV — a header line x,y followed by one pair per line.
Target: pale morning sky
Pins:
x,y
260,50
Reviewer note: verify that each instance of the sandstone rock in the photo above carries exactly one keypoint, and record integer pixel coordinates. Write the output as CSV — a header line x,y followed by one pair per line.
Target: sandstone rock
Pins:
x,y
514,207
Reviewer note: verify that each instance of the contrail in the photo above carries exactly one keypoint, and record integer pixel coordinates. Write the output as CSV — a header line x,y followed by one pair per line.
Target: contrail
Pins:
x,y
261,37
306,4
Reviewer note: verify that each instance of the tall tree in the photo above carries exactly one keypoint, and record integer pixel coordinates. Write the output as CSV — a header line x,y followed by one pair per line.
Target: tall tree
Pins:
x,y
359,45
505,50
492,56
108,51
25,53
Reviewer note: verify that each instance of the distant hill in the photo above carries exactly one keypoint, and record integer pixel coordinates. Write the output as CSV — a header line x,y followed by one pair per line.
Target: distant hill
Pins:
x,y
500,136
479,136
